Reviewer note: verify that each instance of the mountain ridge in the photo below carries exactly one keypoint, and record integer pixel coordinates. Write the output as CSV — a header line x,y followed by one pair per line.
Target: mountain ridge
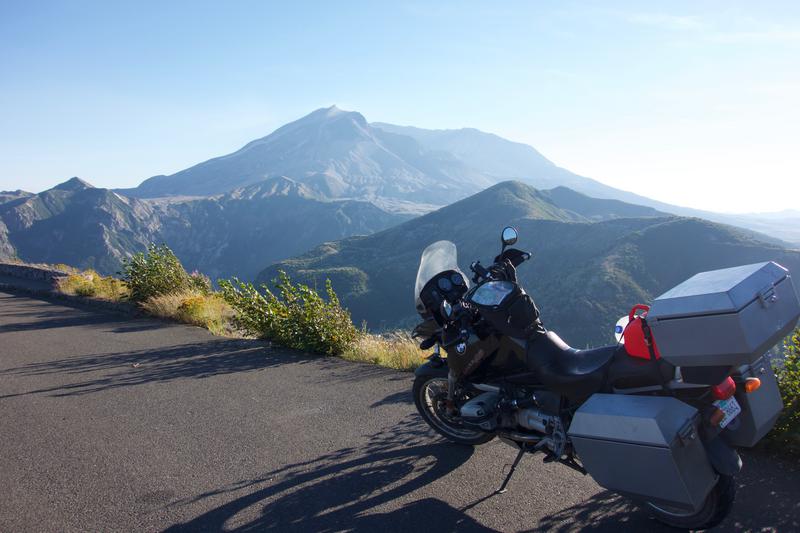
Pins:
x,y
334,151
339,154
234,234
584,274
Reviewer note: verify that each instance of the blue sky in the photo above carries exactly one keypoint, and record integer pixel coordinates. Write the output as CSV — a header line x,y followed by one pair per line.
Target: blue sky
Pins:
x,y
694,103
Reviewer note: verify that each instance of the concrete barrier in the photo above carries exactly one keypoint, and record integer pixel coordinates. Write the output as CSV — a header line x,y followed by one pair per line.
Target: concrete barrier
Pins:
x,y
37,273
40,281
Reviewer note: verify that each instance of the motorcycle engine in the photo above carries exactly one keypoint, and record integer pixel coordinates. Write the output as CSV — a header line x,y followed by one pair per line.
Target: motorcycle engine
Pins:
x,y
550,425
481,411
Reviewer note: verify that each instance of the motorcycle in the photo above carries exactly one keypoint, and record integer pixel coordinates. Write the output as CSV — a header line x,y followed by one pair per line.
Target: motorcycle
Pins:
x,y
656,417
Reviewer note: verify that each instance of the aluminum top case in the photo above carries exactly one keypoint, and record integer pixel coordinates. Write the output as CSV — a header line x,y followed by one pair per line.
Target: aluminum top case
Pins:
x,y
725,317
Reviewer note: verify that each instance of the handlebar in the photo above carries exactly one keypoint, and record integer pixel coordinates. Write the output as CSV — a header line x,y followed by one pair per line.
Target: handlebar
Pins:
x,y
479,270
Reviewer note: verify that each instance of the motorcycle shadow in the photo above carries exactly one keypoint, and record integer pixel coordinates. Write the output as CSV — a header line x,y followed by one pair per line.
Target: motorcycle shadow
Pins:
x,y
347,490
603,512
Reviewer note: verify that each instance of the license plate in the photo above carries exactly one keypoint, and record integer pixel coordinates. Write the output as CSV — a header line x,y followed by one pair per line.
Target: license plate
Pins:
x,y
731,409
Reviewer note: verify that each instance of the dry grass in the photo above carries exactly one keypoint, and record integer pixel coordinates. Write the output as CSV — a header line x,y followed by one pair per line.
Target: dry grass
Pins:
x,y
396,350
93,285
209,311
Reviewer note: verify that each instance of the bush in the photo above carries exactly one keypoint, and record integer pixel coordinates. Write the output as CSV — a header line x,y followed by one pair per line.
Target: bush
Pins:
x,y
93,285
207,310
787,429
157,272
298,317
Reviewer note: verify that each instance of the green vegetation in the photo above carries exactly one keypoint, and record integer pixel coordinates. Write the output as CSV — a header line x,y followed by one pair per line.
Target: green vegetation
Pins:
x,y
787,429
297,317
157,281
93,285
159,272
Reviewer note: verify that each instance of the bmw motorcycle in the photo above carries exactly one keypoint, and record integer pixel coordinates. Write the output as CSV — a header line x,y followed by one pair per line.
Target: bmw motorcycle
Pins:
x,y
656,417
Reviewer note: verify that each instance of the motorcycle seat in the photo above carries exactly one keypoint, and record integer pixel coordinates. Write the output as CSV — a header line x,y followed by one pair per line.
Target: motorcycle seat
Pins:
x,y
565,370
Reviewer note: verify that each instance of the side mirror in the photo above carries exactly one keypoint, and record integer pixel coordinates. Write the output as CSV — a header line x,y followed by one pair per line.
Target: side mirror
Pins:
x,y
509,236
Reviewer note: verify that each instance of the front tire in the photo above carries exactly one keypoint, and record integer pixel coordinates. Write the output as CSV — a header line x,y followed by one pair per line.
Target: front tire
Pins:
x,y
716,507
430,394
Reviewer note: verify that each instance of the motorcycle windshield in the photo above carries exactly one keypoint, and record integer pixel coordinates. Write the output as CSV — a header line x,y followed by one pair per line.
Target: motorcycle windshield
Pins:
x,y
438,257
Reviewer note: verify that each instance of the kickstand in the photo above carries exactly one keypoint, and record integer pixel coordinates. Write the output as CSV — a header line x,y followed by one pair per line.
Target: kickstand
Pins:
x,y
502,488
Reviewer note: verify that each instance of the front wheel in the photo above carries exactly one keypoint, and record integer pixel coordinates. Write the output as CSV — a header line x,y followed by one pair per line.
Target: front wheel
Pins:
x,y
430,397
716,507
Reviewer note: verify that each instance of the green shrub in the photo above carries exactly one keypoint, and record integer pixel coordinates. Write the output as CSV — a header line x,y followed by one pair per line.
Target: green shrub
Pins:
x,y
297,317
156,272
787,429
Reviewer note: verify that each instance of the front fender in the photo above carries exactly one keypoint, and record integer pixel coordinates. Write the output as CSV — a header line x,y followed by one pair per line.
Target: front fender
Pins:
x,y
435,366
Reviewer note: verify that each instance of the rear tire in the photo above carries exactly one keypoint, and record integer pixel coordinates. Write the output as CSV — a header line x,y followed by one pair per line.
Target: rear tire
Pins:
x,y
716,507
430,393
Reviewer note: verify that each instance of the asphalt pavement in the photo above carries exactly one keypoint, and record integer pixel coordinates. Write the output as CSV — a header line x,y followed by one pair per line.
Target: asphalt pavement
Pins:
x,y
109,423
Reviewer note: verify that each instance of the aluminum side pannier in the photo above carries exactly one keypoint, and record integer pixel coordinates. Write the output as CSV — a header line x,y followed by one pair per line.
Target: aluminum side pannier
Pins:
x,y
725,317
760,409
644,447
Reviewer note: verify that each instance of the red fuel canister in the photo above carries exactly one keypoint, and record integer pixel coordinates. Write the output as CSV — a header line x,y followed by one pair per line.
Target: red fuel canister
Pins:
x,y
635,340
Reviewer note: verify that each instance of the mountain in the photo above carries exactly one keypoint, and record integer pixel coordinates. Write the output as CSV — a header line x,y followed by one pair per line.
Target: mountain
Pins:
x,y
332,175
238,233
784,225
597,209
501,159
78,224
6,249
584,275
338,154
230,235
73,185
10,196
335,153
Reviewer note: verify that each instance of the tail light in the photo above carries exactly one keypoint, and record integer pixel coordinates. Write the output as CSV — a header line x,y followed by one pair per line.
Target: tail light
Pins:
x,y
751,384
724,390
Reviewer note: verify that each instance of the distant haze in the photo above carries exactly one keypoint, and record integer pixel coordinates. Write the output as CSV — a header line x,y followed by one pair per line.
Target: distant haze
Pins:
x,y
695,104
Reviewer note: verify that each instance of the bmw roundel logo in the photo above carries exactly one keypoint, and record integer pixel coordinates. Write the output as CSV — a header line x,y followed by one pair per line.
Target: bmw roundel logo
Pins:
x,y
461,347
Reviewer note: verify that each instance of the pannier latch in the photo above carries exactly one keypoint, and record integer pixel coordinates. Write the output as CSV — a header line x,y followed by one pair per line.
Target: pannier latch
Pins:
x,y
767,296
687,433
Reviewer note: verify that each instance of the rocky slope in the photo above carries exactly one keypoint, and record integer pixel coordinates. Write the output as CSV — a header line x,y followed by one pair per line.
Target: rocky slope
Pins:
x,y
233,234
